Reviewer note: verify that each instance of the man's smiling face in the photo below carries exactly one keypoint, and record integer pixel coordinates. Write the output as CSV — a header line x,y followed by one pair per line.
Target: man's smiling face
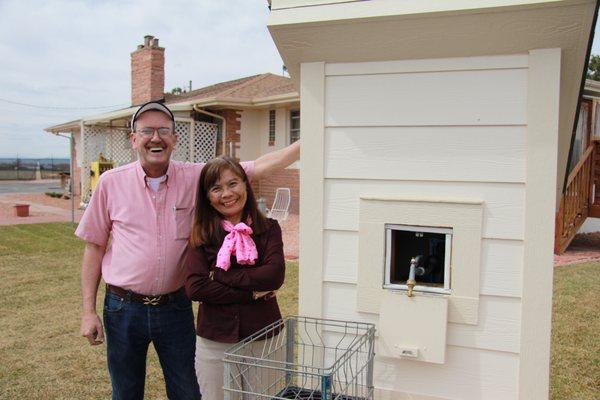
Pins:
x,y
154,149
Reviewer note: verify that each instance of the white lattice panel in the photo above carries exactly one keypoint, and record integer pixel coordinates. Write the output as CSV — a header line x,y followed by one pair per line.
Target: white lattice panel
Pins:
x,y
95,142
205,141
112,143
182,149
120,146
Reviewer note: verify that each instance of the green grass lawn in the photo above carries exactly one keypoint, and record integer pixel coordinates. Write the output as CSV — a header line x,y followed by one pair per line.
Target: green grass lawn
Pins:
x,y
42,355
575,373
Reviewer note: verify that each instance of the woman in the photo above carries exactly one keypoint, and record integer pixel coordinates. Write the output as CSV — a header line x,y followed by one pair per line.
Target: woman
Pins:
x,y
234,266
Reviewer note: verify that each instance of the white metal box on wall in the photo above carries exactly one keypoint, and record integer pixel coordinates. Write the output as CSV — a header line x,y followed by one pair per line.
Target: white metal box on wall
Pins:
x,y
455,148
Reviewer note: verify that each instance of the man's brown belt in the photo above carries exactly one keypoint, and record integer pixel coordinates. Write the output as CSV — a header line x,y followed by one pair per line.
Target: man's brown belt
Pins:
x,y
150,300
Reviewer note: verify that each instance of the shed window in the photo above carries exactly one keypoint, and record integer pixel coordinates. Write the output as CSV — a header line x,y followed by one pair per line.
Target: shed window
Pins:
x,y
272,127
294,125
429,247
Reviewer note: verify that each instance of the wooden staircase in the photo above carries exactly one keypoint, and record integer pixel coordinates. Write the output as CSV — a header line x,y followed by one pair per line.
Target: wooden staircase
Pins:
x,y
595,208
579,200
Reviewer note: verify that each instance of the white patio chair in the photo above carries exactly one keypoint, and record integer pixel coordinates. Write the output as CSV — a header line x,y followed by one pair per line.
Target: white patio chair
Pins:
x,y
281,204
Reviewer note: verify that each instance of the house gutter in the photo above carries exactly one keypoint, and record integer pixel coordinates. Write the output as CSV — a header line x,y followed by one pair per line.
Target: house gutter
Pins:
x,y
278,98
242,102
592,88
196,108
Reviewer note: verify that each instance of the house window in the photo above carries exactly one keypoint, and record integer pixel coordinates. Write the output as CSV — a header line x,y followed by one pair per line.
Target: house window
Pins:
x,y
424,249
271,127
294,125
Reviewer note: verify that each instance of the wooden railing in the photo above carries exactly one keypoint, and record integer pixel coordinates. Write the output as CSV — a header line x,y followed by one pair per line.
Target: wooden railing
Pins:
x,y
575,203
596,200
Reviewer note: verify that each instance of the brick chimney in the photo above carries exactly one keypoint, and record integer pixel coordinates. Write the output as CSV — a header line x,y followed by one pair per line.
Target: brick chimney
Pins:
x,y
147,72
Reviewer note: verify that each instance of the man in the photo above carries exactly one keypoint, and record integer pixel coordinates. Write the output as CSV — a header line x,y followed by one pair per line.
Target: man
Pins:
x,y
145,208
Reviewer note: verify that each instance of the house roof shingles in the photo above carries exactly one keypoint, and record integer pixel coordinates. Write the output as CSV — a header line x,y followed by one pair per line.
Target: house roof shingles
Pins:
x,y
248,88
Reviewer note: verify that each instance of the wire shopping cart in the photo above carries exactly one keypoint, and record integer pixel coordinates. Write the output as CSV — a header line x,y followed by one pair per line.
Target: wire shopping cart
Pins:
x,y
302,358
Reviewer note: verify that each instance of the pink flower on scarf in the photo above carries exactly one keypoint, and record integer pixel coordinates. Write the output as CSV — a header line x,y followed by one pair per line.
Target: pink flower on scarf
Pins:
x,y
237,242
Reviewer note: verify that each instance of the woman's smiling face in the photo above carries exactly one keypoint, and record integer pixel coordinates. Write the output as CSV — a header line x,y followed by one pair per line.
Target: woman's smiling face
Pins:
x,y
228,196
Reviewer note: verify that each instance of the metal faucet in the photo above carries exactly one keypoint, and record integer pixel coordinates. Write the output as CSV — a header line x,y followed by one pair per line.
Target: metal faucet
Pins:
x,y
411,282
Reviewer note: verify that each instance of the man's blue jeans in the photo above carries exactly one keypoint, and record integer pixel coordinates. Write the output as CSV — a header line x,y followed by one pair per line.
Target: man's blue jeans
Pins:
x,y
131,326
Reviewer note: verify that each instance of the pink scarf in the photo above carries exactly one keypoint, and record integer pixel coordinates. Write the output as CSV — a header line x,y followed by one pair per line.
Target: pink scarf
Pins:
x,y
238,242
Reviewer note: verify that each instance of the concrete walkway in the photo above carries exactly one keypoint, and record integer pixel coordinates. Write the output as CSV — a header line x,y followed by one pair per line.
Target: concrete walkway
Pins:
x,y
42,208
584,248
38,213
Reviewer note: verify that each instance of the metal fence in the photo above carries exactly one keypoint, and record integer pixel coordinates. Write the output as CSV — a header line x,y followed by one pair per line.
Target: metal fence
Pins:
x,y
27,170
55,174
17,175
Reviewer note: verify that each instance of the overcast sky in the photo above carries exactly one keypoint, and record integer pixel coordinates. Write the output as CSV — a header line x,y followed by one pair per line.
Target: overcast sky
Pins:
x,y
76,54
67,53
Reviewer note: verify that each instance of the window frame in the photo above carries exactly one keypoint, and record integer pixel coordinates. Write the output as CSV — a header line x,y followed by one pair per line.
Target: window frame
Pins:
x,y
272,127
291,130
448,232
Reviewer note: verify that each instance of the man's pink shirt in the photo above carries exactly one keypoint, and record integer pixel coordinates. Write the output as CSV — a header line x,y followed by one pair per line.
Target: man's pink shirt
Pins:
x,y
148,230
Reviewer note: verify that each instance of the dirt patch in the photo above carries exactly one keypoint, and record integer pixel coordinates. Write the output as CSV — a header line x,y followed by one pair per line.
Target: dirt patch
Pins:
x,y
42,208
584,248
290,233
40,198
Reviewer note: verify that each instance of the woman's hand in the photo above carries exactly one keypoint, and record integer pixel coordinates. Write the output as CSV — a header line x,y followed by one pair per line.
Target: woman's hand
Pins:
x,y
266,295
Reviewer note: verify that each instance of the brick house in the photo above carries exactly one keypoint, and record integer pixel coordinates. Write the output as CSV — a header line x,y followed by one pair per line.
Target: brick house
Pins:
x,y
243,118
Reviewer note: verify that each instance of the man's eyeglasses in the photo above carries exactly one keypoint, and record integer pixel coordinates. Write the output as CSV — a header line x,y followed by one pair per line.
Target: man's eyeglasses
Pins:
x,y
149,132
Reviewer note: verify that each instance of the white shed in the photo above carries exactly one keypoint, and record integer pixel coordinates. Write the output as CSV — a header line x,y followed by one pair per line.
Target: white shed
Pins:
x,y
438,129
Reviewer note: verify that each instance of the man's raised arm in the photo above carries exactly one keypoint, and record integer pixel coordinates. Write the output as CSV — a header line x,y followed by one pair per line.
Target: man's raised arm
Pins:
x,y
276,160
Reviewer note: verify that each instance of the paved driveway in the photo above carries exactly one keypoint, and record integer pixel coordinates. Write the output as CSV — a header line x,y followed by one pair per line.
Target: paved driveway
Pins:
x,y
42,186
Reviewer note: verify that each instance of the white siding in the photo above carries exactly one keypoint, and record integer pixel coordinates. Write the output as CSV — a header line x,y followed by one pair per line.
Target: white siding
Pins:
x,y
503,260
254,132
503,203
429,65
251,129
339,302
492,97
483,154
455,129
498,327
280,129
341,256
258,131
467,374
